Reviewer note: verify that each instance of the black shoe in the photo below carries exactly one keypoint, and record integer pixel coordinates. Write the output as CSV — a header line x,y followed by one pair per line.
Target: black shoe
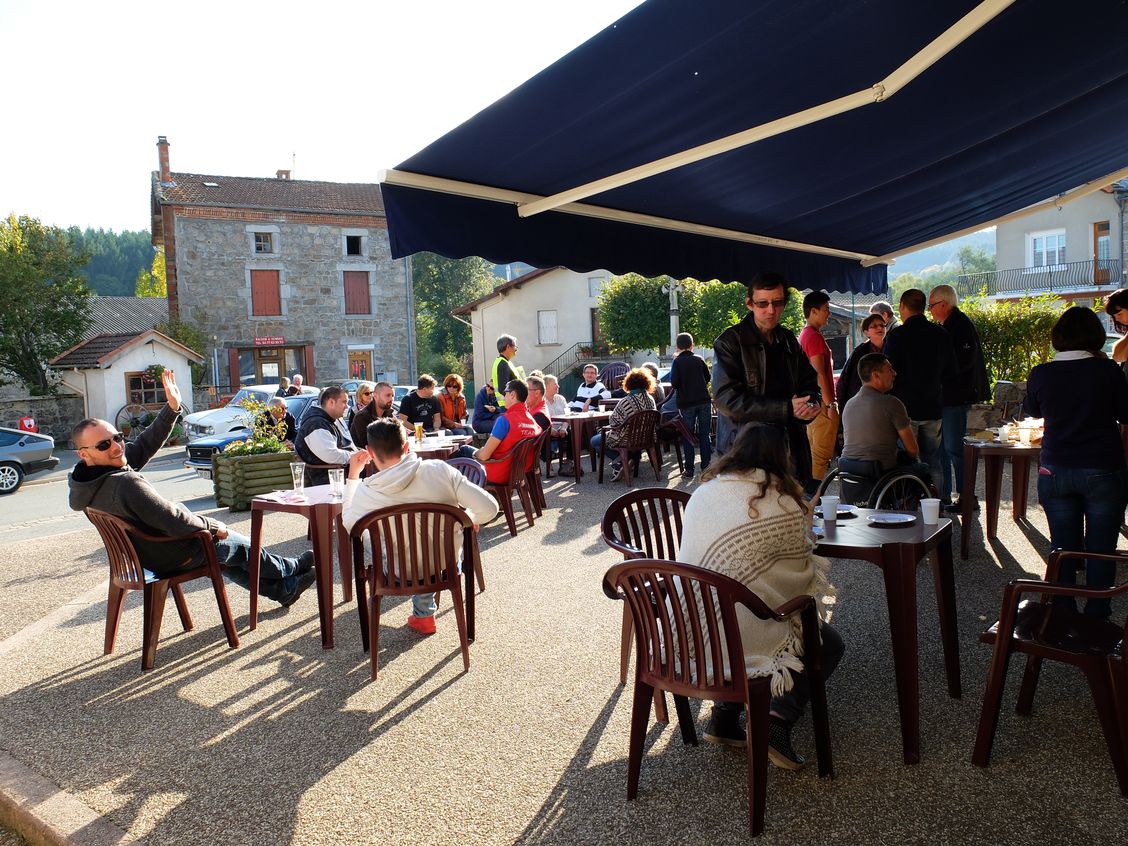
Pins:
x,y
304,581
305,562
780,751
726,732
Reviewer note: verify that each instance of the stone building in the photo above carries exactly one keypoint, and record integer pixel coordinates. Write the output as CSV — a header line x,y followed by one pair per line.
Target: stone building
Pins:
x,y
285,276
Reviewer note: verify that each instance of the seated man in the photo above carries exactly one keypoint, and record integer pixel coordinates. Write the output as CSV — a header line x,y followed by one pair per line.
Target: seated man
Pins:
x,y
422,406
590,392
379,405
405,478
278,415
107,479
486,410
516,425
322,435
873,420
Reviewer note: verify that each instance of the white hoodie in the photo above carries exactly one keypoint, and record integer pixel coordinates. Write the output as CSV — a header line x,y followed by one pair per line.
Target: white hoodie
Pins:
x,y
416,480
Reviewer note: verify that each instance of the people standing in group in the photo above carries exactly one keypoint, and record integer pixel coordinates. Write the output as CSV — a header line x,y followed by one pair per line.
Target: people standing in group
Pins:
x,y
1082,481
822,431
323,438
380,405
590,392
486,410
850,382
761,376
748,521
968,385
639,385
283,387
509,429
421,406
452,406
886,311
689,379
504,370
922,355
295,385
405,478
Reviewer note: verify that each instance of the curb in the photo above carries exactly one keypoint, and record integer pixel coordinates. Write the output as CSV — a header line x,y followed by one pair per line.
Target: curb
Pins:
x,y
46,815
60,474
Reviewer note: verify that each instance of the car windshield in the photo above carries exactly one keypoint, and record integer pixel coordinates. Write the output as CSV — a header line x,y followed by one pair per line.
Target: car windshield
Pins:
x,y
246,394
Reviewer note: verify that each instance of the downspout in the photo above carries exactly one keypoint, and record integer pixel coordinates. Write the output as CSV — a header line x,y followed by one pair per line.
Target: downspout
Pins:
x,y
411,357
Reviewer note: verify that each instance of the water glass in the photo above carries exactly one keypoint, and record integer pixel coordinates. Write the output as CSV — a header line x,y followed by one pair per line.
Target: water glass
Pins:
x,y
930,510
829,509
297,470
337,483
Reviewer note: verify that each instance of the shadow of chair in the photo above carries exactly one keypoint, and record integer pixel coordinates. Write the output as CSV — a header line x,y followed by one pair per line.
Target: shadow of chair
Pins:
x,y
523,454
685,630
128,573
412,549
473,470
1042,630
637,432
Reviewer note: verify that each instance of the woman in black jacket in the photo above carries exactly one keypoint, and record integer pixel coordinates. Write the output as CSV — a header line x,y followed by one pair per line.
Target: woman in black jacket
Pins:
x,y
849,383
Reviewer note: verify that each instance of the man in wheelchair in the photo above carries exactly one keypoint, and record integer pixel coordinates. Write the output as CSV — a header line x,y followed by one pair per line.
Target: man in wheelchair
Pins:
x,y
872,470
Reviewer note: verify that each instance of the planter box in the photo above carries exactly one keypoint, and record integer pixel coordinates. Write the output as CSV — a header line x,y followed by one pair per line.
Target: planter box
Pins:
x,y
238,478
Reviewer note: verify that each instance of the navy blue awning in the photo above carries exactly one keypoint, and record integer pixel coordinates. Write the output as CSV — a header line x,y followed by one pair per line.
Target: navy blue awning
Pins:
x,y
1027,107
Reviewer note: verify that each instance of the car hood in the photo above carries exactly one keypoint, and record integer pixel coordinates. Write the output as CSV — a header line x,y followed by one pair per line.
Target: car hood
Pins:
x,y
218,416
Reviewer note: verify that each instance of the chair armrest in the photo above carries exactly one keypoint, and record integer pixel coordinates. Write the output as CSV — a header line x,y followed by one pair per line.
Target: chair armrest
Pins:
x,y
202,535
1053,569
625,548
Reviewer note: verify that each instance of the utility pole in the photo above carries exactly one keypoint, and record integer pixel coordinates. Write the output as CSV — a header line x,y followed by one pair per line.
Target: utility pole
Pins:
x,y
673,287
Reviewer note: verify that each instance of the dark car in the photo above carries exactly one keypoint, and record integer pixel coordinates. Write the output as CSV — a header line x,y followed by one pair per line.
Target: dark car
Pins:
x,y
200,451
22,453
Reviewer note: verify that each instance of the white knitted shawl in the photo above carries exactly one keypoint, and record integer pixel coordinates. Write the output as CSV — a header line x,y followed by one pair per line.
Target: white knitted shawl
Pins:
x,y
770,552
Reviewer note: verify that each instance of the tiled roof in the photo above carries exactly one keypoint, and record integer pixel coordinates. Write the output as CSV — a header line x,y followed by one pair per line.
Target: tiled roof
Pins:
x,y
504,288
115,315
91,351
247,192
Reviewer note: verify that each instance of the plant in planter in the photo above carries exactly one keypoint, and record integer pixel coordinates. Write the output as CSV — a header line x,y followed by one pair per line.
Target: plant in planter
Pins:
x,y
259,464
154,372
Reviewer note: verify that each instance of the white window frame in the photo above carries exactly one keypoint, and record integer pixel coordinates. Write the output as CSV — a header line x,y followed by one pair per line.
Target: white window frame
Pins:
x,y
363,235
554,340
268,229
595,286
1060,247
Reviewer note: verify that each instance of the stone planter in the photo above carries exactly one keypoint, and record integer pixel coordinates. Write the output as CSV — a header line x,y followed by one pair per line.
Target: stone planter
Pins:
x,y
238,478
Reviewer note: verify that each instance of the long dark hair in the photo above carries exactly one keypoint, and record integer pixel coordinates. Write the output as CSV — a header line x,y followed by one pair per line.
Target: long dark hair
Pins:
x,y
760,448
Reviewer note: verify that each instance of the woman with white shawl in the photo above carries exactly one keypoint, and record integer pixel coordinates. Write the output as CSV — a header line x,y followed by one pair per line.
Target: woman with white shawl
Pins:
x,y
748,520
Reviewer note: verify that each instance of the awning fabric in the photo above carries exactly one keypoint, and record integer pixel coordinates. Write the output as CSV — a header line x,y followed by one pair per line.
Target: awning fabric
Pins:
x,y
1029,106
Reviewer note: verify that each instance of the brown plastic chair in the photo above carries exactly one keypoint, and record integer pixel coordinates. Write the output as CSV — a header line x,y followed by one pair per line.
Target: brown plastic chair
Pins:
x,y
612,374
646,523
473,470
536,483
524,453
679,646
672,432
1043,631
638,433
128,573
414,549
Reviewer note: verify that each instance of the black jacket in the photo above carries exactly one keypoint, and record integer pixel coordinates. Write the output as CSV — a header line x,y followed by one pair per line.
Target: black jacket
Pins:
x,y
970,384
315,418
689,376
921,353
850,382
739,365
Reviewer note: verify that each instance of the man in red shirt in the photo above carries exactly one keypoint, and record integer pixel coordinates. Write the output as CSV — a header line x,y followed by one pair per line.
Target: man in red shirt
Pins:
x,y
823,430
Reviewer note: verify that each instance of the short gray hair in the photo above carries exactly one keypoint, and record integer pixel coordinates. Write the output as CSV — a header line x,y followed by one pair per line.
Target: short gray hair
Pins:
x,y
504,341
948,294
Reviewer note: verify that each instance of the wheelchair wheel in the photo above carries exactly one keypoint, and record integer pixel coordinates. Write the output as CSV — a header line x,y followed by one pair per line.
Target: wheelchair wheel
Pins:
x,y
831,485
899,490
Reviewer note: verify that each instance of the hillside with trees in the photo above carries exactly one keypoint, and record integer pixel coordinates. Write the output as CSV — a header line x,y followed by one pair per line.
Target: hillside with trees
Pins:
x,y
116,259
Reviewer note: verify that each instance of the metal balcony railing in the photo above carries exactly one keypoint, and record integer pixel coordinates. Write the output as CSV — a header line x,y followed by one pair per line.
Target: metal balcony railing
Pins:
x,y
1054,279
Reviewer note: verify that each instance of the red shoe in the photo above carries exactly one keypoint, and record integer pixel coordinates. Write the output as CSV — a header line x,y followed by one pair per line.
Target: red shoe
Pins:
x,y
423,625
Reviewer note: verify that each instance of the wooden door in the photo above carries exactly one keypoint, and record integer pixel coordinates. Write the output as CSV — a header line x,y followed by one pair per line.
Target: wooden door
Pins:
x,y
360,364
1102,246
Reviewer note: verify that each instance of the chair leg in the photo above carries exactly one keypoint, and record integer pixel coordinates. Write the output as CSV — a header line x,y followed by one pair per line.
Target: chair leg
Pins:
x,y
640,716
152,613
685,720
655,462
182,607
113,615
374,631
625,645
224,606
624,457
602,458
661,715
1101,686
757,707
361,584
504,497
478,571
1029,685
460,620
992,702
526,503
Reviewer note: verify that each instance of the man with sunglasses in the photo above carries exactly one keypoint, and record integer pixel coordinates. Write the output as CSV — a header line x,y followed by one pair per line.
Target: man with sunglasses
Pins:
x,y
107,479
762,377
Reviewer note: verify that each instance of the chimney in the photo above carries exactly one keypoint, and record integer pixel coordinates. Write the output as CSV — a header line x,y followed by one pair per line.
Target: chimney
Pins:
x,y
162,155
283,174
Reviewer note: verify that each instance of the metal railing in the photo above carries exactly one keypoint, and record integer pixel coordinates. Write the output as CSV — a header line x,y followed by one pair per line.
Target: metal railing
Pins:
x,y
1053,279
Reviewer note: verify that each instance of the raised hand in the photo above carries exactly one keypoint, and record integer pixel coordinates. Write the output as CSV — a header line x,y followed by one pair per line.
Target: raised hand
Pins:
x,y
172,392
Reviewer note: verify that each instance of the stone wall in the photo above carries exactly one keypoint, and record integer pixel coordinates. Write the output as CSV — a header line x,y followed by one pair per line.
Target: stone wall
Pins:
x,y
55,416
1007,403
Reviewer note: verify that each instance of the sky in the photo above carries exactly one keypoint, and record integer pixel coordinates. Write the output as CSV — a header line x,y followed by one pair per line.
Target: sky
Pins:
x,y
333,90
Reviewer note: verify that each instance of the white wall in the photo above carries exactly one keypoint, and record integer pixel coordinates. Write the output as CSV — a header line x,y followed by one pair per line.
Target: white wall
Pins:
x,y
106,389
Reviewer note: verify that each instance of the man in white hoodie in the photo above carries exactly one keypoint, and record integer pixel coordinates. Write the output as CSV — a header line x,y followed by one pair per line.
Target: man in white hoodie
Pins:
x,y
404,478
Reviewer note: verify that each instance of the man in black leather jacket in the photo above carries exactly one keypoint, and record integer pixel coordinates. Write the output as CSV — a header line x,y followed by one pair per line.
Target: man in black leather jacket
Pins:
x,y
761,376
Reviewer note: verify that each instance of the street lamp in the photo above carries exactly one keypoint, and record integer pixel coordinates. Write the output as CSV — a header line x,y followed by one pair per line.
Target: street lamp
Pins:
x,y
673,287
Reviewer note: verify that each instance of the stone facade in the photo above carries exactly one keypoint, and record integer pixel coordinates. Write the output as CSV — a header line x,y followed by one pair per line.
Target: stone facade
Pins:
x,y
55,416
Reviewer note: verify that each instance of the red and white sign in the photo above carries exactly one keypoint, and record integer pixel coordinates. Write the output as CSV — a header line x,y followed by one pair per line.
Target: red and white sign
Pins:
x,y
273,341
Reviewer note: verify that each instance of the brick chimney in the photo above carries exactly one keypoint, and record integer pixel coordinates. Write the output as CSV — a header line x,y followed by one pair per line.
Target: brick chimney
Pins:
x,y
162,155
283,174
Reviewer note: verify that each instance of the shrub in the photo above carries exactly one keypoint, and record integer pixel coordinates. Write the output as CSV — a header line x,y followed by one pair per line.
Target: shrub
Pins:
x,y
266,433
1015,335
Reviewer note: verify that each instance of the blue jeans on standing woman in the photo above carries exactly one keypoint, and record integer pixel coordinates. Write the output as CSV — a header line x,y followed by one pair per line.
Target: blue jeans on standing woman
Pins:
x,y
699,420
1084,509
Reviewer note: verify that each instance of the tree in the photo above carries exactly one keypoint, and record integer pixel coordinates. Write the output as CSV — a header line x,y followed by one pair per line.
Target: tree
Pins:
x,y
43,298
634,314
975,260
188,334
441,285
709,308
151,283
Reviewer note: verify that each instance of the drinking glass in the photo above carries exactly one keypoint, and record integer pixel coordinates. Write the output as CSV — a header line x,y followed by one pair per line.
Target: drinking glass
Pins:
x,y
297,470
337,483
418,433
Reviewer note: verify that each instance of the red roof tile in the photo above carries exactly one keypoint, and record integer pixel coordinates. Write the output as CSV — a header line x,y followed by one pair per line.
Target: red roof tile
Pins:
x,y
192,189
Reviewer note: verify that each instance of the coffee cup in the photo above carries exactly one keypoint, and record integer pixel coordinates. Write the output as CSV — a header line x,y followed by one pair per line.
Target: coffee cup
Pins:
x,y
829,507
930,510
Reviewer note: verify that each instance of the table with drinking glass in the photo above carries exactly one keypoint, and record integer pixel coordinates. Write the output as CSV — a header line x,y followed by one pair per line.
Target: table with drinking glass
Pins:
x,y
579,424
441,447
897,550
994,454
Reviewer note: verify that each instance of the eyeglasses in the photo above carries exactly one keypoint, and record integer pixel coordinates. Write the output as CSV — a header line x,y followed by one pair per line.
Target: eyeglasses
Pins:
x,y
768,303
938,302
102,446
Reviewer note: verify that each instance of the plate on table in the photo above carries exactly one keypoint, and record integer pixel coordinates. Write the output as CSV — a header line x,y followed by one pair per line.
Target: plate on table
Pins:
x,y
843,508
891,519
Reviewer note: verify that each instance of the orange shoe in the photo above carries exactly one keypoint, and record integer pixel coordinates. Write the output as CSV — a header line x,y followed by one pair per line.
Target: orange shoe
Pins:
x,y
423,625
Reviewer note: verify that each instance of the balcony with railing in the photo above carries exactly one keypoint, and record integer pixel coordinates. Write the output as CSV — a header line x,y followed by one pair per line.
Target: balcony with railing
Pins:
x,y
1073,277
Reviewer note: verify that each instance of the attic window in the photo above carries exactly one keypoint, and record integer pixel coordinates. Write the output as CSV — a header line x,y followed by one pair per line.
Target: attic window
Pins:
x,y
211,184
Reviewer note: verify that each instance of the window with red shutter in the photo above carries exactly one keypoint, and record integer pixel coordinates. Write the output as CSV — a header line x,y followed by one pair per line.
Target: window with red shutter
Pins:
x,y
266,295
356,292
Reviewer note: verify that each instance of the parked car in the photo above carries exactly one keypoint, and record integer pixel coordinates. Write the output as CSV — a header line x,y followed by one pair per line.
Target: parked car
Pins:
x,y
232,417
22,453
199,452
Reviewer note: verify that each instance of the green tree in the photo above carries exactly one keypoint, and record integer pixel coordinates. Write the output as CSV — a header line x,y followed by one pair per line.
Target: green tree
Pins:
x,y
445,344
151,283
709,308
975,260
43,298
634,314
116,258
192,337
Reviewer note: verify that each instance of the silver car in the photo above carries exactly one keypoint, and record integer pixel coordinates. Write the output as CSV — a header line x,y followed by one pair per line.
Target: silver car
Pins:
x,y
22,453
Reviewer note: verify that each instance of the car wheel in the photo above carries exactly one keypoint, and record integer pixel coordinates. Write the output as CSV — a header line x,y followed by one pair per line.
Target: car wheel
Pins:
x,y
11,475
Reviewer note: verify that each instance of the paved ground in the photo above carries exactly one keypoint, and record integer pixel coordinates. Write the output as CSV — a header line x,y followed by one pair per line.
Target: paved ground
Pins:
x,y
280,741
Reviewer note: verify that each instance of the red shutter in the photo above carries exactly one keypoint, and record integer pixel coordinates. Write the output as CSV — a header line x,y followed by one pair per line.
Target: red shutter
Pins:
x,y
356,292
266,296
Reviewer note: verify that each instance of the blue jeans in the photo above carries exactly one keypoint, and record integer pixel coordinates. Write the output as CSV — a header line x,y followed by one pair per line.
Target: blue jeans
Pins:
x,y
699,420
955,427
1084,509
928,441
277,575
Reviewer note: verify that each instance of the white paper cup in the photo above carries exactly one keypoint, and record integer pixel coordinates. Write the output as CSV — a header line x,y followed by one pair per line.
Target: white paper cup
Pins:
x,y
1004,433
829,506
930,511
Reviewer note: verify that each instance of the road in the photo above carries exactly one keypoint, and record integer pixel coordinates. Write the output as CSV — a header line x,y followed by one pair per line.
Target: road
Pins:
x,y
41,510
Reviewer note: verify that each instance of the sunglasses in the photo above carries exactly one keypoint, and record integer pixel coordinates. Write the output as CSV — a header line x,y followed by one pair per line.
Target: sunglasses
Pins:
x,y
103,446
763,304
